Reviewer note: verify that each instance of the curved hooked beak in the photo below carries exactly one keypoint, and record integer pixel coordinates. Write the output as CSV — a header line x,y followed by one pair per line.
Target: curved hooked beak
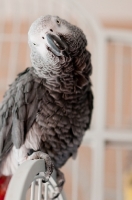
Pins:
x,y
57,45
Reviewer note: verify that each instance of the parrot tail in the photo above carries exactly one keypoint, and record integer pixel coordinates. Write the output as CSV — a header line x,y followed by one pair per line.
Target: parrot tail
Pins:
x,y
4,181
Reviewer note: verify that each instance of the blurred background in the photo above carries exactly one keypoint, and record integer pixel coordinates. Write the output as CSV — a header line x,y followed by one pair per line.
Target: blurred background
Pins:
x,y
103,168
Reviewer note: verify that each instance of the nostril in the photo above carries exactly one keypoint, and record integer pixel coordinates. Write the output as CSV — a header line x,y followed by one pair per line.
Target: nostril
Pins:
x,y
51,30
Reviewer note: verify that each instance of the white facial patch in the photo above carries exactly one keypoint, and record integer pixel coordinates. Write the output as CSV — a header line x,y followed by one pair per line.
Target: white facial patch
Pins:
x,y
37,43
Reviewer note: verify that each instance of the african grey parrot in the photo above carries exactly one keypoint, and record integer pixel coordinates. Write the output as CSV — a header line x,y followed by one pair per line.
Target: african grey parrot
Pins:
x,y
48,107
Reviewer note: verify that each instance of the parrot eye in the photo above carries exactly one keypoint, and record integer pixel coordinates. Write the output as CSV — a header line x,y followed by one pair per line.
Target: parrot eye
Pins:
x,y
34,44
43,38
58,22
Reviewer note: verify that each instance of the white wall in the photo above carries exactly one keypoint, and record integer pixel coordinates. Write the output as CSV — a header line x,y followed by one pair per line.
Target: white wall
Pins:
x,y
109,10
106,10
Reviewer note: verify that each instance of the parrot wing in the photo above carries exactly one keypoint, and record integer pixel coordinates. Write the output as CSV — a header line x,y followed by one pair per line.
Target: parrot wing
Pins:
x,y
18,110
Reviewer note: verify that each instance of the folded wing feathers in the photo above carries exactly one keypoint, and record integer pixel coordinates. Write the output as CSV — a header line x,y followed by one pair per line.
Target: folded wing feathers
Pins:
x,y
18,111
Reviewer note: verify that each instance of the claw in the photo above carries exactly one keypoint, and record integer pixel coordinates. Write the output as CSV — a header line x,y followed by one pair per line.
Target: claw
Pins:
x,y
60,183
48,163
55,193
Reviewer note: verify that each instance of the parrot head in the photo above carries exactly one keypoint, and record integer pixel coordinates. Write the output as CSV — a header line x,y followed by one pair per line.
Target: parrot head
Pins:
x,y
45,35
54,44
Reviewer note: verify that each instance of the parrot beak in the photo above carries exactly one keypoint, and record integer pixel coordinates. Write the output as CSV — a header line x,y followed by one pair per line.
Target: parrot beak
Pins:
x,y
57,45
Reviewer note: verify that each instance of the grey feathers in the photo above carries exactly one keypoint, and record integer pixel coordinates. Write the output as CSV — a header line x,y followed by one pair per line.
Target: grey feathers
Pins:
x,y
54,97
18,109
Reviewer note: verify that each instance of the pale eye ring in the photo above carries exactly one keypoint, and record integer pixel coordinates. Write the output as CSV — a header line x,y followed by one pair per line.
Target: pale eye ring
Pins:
x,y
58,22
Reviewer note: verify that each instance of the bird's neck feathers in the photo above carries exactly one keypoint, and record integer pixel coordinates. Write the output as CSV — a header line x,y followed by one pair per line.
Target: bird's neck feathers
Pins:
x,y
65,75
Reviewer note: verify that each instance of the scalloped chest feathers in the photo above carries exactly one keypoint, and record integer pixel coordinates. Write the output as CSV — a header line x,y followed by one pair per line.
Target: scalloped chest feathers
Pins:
x,y
61,121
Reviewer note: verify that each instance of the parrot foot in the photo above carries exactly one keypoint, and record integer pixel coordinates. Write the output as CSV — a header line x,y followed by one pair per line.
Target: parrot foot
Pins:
x,y
48,163
60,182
